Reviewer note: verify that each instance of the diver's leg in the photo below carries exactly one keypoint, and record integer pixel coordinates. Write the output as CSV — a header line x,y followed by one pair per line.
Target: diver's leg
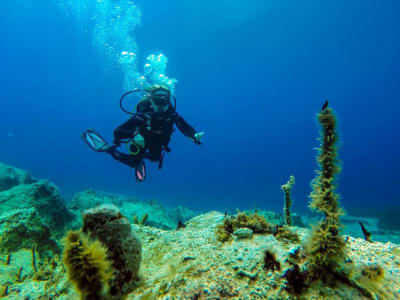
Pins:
x,y
154,153
126,159
135,162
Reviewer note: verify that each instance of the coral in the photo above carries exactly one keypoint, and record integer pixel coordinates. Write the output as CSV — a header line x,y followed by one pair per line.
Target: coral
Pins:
x,y
87,265
46,268
255,222
284,232
287,188
368,280
142,221
124,249
325,247
270,262
296,280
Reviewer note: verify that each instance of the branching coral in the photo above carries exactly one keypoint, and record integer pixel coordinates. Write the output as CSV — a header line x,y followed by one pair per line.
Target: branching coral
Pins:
x,y
287,188
87,265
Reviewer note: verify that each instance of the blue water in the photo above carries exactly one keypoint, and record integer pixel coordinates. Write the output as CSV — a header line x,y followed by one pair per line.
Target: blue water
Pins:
x,y
252,75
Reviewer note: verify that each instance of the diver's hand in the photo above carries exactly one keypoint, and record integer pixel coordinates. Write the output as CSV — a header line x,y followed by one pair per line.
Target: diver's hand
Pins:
x,y
197,137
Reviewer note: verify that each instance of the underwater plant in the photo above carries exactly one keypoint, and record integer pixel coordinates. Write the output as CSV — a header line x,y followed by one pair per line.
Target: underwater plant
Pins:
x,y
326,247
142,221
87,265
296,280
254,221
287,188
284,233
270,262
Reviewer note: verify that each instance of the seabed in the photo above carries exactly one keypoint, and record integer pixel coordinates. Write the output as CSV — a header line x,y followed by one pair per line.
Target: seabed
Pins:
x,y
185,262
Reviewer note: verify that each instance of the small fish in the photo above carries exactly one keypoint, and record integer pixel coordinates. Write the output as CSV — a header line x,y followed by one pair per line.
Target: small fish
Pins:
x,y
325,106
10,134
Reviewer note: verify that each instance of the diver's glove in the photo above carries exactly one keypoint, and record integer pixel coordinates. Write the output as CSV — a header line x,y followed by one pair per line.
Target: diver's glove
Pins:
x,y
197,137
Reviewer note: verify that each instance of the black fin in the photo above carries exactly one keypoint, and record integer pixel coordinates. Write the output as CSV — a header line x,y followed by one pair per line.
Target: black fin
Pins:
x,y
94,140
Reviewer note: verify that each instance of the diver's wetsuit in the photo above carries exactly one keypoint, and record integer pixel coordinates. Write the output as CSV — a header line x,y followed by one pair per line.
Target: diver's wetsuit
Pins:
x,y
156,132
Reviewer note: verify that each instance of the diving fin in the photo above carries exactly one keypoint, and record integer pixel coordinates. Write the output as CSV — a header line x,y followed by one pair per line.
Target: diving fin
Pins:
x,y
94,140
140,171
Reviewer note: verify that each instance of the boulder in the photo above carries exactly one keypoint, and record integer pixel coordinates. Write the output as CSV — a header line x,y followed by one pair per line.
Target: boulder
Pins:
x,y
180,213
11,177
90,198
23,228
42,195
124,249
157,215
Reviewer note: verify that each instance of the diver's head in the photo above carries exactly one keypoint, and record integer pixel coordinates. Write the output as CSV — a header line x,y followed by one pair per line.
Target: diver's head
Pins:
x,y
159,96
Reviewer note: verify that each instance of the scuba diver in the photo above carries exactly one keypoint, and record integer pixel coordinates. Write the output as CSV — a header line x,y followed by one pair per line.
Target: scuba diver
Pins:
x,y
146,133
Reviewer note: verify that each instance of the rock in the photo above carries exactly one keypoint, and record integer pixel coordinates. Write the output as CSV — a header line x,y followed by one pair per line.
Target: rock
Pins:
x,y
106,223
90,198
157,215
23,228
243,233
297,220
42,195
271,217
10,177
293,252
180,213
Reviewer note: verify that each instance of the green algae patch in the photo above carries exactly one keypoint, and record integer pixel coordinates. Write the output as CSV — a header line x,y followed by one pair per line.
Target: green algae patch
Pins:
x,y
253,221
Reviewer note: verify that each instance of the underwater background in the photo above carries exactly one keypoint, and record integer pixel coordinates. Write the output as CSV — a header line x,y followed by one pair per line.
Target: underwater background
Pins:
x,y
252,75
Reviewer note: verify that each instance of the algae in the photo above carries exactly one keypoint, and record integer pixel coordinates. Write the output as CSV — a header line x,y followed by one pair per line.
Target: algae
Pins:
x,y
253,221
287,188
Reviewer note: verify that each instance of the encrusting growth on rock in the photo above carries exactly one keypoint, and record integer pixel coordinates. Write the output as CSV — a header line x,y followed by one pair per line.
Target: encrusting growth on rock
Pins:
x,y
287,188
87,265
255,222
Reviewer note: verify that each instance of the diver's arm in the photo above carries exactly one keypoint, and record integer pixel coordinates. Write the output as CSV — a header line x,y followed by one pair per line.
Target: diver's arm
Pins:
x,y
186,129
127,129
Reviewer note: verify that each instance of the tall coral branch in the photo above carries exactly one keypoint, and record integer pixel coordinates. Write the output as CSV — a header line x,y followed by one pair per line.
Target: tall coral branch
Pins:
x,y
326,247
287,188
